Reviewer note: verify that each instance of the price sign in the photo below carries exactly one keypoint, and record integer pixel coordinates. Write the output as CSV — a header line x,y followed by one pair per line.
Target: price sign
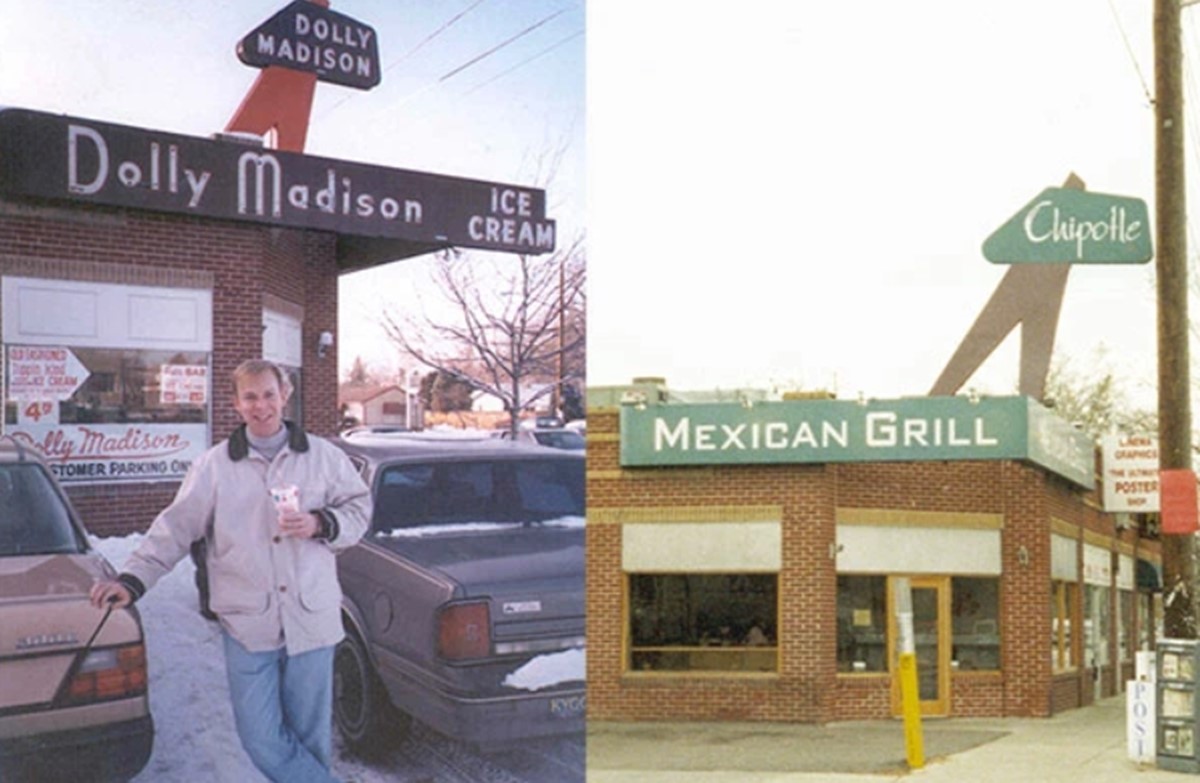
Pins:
x,y
37,412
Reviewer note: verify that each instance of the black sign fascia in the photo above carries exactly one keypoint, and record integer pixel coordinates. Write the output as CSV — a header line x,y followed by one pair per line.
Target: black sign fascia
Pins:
x,y
307,37
79,160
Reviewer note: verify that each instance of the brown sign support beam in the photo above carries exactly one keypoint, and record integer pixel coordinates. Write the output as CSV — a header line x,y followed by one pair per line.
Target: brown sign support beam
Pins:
x,y
1030,295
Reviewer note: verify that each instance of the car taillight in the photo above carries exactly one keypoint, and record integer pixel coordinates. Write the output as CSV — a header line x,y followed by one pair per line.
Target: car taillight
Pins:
x,y
464,631
115,673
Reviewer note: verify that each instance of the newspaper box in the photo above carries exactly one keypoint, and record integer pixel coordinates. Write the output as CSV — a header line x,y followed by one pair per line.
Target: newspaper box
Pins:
x,y
1178,708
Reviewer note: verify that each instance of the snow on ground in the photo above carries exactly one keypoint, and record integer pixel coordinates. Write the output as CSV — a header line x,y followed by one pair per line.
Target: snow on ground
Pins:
x,y
195,738
545,671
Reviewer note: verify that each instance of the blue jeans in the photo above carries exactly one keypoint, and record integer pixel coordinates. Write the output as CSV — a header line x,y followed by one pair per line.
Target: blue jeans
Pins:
x,y
283,706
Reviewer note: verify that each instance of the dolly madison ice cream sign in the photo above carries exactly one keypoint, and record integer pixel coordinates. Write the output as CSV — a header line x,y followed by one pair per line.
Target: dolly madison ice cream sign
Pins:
x,y
58,157
818,431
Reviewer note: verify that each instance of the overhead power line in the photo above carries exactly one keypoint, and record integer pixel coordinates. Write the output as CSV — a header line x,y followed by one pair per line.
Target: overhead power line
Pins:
x,y
445,26
501,45
479,57
525,62
434,34
1132,56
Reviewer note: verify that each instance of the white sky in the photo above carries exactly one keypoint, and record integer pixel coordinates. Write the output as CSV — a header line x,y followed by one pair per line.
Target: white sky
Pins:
x,y
798,192
776,192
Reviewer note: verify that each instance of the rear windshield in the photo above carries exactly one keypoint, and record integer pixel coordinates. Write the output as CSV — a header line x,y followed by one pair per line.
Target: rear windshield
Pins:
x,y
443,493
33,517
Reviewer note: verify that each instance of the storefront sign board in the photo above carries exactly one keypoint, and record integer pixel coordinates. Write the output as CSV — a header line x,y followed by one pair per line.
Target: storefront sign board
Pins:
x,y
819,431
84,161
1130,473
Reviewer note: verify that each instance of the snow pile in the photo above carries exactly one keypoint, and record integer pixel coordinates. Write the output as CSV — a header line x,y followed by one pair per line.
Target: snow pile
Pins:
x,y
545,671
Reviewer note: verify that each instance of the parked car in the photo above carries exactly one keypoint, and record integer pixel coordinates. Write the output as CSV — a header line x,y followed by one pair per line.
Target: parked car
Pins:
x,y
555,438
67,711
473,568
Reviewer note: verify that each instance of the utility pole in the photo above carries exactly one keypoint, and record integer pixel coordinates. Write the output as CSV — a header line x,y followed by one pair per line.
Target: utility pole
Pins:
x,y
1174,378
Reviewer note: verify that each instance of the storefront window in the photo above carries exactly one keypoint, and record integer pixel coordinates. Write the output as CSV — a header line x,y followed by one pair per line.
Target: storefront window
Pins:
x,y
862,623
1063,618
103,415
119,386
975,606
1097,625
1125,625
703,622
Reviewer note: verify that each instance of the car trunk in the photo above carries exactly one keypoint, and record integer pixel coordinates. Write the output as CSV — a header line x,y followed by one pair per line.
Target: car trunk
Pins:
x,y
532,577
45,618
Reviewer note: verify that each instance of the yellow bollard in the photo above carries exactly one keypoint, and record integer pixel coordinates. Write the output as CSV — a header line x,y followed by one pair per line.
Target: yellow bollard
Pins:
x,y
910,706
910,696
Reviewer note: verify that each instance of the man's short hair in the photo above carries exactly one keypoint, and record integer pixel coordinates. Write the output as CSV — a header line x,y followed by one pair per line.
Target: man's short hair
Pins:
x,y
256,367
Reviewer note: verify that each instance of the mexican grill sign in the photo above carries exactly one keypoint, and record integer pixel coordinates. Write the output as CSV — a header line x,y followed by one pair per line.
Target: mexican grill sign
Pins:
x,y
829,431
58,157
306,37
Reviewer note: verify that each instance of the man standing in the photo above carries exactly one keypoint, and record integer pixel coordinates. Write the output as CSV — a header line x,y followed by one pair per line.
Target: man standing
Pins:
x,y
274,506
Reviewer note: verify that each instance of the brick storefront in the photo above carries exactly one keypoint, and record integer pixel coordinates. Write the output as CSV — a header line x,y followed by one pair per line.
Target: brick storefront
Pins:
x,y
822,513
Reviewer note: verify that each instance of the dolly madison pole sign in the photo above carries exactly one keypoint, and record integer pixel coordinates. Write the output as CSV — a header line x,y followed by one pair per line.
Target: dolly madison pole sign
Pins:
x,y
306,37
58,157
819,431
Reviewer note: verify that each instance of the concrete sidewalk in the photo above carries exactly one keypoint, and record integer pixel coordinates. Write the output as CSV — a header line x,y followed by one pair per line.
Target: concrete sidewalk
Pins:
x,y
1084,746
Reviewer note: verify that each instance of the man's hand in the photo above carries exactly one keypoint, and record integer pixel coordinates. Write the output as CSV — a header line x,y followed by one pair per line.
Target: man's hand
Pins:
x,y
299,524
110,592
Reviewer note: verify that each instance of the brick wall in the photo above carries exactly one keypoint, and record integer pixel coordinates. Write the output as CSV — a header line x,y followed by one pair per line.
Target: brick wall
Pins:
x,y
1025,591
240,263
807,687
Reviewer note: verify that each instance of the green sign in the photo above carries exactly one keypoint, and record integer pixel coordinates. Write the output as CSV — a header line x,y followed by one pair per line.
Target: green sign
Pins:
x,y
820,431
1071,226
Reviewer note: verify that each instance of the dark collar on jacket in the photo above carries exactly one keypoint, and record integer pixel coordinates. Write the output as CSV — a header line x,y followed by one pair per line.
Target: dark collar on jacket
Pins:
x,y
239,443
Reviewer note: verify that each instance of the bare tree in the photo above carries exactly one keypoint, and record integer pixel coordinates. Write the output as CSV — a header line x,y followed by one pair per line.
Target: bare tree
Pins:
x,y
1094,398
510,325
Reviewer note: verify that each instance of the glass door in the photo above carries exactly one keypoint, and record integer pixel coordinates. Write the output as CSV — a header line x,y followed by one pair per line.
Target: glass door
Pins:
x,y
931,632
